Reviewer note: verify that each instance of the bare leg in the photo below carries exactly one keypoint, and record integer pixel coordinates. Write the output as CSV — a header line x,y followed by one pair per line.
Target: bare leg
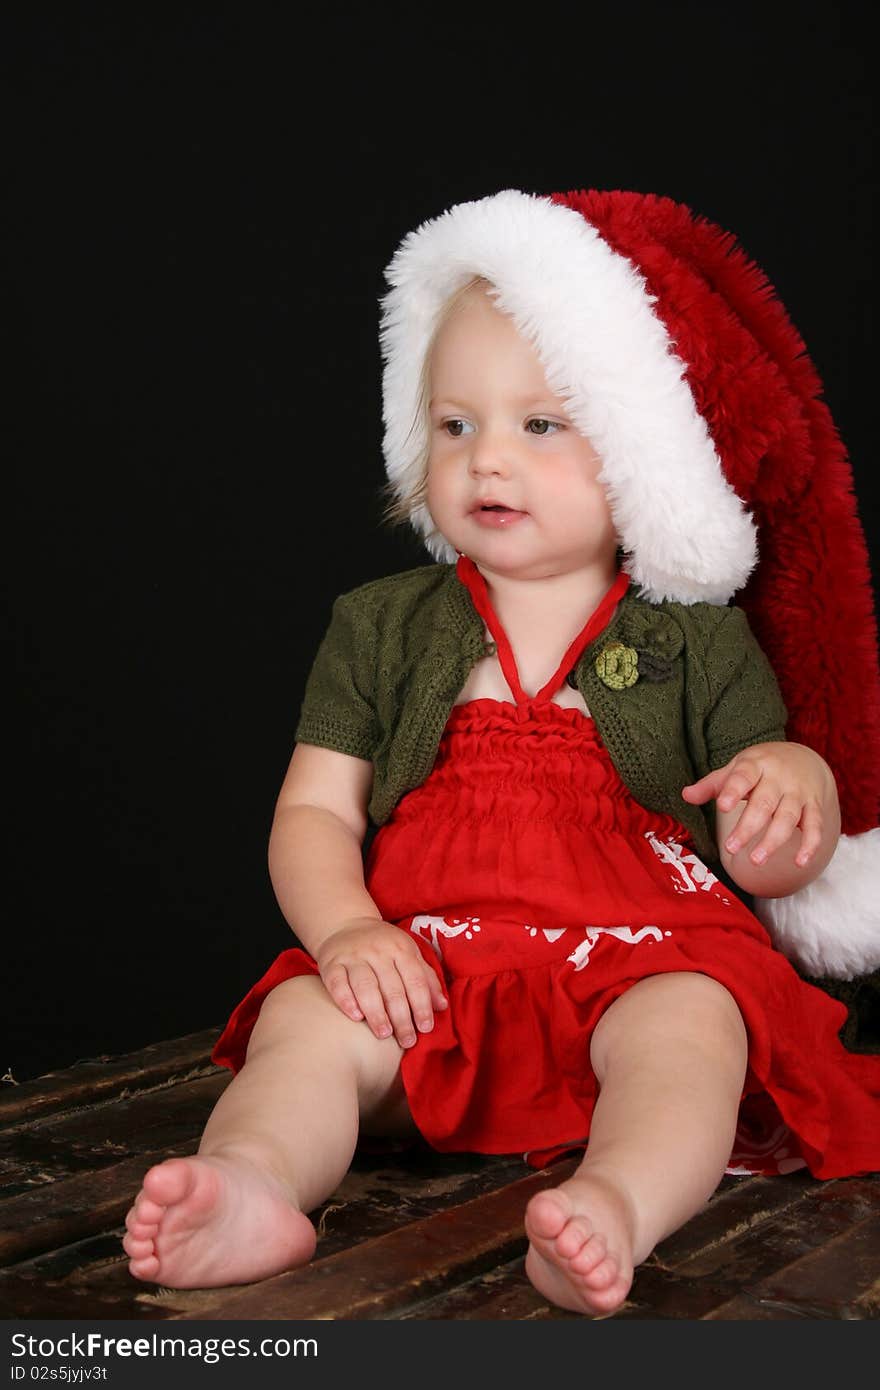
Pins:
x,y
278,1142
670,1056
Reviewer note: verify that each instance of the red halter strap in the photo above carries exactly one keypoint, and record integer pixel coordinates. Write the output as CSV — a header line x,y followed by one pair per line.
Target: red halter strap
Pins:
x,y
470,576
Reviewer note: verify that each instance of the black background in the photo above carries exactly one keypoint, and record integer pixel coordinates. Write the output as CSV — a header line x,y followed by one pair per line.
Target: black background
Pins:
x,y
200,205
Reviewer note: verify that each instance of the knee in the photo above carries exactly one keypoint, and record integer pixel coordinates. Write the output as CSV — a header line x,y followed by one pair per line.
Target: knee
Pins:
x,y
301,1003
711,1014
682,1008
298,1016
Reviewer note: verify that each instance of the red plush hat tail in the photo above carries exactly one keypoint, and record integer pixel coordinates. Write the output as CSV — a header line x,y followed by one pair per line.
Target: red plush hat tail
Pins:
x,y
810,604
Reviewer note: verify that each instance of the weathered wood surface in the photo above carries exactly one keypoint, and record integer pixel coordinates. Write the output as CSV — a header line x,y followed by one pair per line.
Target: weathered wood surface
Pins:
x,y
409,1234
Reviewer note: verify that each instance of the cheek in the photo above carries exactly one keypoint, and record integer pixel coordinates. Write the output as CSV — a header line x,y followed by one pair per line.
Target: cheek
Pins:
x,y
435,498
597,505
567,491
561,484
439,484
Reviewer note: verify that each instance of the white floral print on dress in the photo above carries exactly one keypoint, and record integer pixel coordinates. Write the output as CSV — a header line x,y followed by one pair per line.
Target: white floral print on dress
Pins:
x,y
432,928
551,933
580,956
690,874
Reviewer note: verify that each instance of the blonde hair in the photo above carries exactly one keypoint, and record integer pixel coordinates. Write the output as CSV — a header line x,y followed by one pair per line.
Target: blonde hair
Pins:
x,y
399,507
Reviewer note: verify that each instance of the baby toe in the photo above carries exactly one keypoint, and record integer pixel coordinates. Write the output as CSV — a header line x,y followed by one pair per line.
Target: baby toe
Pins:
x,y
168,1182
148,1211
135,1222
137,1246
603,1276
608,1300
547,1214
146,1268
574,1236
590,1256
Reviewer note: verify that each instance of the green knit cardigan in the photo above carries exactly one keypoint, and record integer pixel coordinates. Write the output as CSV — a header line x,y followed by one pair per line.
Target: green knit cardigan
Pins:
x,y
692,689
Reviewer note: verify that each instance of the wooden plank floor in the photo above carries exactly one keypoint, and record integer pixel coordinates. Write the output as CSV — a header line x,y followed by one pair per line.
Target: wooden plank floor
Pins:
x,y
410,1234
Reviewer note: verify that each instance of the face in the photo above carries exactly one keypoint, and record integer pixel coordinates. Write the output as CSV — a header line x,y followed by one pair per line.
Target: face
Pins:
x,y
499,435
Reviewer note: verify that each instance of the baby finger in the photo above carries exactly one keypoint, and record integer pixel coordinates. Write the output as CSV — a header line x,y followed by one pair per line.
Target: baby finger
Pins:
x,y
438,998
785,818
811,833
738,784
419,996
754,819
398,1006
365,986
337,986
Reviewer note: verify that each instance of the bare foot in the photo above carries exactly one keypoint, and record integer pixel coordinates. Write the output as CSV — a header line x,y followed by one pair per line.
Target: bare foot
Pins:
x,y
580,1252
207,1221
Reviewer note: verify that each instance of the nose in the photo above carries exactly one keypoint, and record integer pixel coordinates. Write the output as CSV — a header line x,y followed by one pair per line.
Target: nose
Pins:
x,y
490,453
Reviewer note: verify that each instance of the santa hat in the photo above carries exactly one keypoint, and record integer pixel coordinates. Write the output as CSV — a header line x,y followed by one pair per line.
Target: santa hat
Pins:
x,y
725,474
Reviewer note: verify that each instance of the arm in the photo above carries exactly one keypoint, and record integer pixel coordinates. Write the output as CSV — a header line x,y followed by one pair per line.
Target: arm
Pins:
x,y
371,969
315,859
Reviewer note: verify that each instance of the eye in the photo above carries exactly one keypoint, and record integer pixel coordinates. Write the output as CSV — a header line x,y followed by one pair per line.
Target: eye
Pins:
x,y
456,434
548,425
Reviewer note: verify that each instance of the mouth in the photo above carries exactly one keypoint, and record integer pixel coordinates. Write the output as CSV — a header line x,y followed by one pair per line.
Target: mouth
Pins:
x,y
495,507
496,514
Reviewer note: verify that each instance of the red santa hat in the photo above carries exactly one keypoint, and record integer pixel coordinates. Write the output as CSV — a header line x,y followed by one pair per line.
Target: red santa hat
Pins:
x,y
725,475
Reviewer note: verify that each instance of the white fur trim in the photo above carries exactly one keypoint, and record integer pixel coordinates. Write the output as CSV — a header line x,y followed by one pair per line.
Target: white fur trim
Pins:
x,y
686,534
832,926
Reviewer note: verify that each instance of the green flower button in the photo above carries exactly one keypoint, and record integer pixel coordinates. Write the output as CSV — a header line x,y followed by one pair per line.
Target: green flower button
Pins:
x,y
617,666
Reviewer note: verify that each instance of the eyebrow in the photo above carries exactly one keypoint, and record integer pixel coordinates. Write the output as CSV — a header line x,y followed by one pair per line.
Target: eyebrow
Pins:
x,y
517,400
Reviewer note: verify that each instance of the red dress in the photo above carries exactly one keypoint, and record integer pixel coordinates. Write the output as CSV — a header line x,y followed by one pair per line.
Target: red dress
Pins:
x,y
540,890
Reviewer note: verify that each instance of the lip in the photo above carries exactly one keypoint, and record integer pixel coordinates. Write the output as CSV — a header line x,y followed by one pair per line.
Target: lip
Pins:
x,y
495,520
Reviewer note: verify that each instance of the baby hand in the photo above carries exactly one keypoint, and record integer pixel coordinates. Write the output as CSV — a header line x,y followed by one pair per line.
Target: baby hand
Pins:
x,y
374,971
784,785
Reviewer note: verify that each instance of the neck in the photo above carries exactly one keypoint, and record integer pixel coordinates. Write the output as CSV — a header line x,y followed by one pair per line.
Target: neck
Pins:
x,y
571,595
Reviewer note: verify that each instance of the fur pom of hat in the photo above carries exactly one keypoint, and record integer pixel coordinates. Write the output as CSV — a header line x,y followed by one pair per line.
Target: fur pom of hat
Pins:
x,y
726,477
